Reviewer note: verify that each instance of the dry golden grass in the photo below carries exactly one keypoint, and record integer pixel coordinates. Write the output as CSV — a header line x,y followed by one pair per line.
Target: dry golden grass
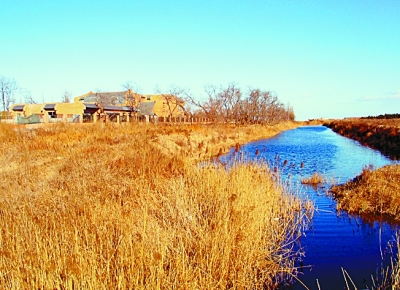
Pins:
x,y
392,123
315,179
372,192
106,207
380,134
202,142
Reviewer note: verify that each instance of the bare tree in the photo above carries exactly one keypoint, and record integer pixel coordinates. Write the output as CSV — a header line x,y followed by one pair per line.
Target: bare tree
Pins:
x,y
132,97
254,106
28,97
228,101
66,97
175,100
203,107
223,104
8,88
230,104
290,113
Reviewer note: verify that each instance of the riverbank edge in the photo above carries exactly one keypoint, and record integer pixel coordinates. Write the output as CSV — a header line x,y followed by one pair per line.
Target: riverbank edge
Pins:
x,y
207,142
375,192
379,135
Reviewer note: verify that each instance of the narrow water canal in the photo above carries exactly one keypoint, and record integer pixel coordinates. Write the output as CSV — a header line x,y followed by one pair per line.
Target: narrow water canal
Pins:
x,y
335,239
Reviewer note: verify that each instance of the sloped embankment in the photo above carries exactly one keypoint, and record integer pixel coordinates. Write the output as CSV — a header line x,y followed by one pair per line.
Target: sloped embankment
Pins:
x,y
375,192
102,206
378,134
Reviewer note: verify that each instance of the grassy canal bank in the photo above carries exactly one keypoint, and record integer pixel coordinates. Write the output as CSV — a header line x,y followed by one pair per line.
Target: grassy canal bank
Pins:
x,y
380,134
124,207
373,191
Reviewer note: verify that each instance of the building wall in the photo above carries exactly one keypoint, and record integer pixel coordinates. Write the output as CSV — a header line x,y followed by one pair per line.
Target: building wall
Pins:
x,y
161,106
81,97
60,108
70,108
16,113
31,109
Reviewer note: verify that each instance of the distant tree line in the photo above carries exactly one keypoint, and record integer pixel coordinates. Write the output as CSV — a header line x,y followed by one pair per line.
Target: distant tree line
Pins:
x,y
232,105
385,116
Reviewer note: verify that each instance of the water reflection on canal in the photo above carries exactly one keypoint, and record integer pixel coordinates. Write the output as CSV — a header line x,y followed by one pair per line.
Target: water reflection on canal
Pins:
x,y
335,240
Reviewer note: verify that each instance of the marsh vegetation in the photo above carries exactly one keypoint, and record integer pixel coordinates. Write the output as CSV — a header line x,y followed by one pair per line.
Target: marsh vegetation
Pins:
x,y
115,207
374,191
380,134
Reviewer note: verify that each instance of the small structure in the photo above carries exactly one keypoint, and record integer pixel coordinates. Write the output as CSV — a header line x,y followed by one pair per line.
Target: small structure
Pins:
x,y
26,113
17,110
146,111
77,112
57,112
118,113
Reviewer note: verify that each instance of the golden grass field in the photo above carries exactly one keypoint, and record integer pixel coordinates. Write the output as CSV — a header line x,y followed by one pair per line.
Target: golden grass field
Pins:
x,y
102,206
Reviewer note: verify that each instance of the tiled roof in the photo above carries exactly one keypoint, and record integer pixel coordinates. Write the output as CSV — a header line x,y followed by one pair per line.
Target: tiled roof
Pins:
x,y
106,98
118,108
91,106
18,108
146,108
49,107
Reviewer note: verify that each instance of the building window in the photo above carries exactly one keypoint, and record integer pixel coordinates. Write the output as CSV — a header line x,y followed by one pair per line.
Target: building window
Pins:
x,y
148,98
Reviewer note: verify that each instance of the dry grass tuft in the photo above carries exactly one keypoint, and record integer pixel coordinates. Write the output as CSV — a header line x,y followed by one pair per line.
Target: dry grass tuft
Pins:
x,y
372,192
315,179
108,207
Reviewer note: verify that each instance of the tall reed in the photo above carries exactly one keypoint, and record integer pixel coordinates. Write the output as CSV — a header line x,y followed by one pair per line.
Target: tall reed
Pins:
x,y
103,207
372,192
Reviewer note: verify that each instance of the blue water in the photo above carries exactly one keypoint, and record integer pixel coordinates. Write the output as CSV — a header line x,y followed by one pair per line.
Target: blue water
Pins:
x,y
335,240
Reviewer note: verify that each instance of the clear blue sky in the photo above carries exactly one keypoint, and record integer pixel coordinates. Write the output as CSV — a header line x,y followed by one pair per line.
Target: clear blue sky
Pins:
x,y
330,59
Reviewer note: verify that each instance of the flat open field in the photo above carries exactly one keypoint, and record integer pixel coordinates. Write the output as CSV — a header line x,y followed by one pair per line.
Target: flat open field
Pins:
x,y
127,207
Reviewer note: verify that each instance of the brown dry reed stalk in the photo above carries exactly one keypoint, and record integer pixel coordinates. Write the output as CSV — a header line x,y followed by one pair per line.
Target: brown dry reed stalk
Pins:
x,y
395,267
386,277
372,192
315,179
104,207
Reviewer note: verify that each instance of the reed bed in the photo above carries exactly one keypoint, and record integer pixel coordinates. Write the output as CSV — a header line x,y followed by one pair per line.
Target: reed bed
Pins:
x,y
106,207
372,192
